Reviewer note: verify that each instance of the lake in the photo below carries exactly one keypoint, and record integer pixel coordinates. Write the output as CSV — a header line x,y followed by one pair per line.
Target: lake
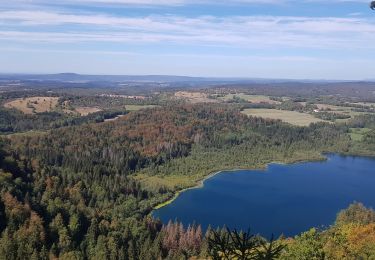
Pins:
x,y
283,199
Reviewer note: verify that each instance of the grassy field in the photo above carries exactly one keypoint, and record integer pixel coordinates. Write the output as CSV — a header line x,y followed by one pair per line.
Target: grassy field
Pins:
x,y
25,134
292,117
250,98
194,97
357,133
33,105
366,104
171,182
113,119
137,107
340,110
84,111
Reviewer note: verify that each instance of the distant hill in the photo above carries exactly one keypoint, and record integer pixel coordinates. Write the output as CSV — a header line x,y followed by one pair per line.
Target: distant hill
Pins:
x,y
69,77
73,77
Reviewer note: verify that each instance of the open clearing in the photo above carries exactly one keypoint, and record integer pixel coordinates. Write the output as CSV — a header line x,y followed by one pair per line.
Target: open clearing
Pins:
x,y
340,110
250,98
291,117
33,105
168,181
84,111
365,104
357,134
194,97
138,107
113,119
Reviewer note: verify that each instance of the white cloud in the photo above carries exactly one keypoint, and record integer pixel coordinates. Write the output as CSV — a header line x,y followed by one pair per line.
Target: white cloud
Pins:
x,y
42,32
244,31
151,2
143,3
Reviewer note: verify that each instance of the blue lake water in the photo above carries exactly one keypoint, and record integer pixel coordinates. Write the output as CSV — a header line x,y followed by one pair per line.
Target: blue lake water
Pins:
x,y
284,199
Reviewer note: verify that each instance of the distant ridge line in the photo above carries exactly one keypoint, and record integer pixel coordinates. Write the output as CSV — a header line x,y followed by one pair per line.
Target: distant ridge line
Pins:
x,y
68,77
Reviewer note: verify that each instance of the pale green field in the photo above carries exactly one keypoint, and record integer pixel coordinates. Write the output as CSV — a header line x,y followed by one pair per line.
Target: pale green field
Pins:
x,y
341,110
250,98
137,107
357,133
171,182
291,117
27,133
368,104
84,111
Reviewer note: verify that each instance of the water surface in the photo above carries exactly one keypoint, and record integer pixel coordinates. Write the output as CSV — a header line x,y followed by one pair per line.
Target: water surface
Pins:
x,y
284,199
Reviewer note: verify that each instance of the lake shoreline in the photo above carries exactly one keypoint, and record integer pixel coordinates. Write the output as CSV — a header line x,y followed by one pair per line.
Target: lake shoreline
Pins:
x,y
267,200
200,183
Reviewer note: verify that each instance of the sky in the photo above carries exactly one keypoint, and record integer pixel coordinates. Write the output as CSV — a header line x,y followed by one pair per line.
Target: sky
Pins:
x,y
294,39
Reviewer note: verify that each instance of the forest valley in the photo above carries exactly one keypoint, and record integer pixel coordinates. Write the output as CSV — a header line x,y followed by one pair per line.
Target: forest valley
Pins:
x,y
85,190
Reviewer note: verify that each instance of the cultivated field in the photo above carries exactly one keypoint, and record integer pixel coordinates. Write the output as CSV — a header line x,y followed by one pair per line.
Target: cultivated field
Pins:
x,y
33,105
291,117
84,111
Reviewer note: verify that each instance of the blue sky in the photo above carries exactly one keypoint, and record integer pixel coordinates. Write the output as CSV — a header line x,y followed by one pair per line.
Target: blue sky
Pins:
x,y
309,39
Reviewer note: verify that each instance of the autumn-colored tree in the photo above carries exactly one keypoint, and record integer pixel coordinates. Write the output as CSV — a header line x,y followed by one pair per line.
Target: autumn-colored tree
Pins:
x,y
178,241
356,213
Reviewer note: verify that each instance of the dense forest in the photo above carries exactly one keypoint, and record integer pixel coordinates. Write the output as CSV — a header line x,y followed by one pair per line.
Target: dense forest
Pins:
x,y
85,191
14,121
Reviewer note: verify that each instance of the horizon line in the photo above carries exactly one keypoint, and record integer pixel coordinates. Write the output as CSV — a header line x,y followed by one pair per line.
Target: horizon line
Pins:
x,y
179,75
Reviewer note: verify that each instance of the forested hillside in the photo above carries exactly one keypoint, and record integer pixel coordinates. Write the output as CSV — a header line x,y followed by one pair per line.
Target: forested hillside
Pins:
x,y
84,192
